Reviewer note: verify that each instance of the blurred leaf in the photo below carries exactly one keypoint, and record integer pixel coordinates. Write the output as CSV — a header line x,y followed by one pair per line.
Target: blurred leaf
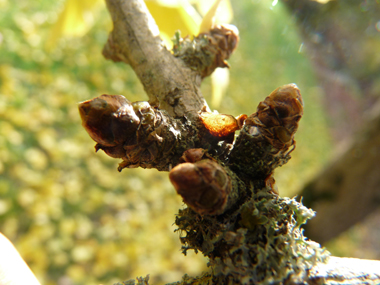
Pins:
x,y
322,1
216,14
208,21
173,15
220,79
223,13
213,17
76,19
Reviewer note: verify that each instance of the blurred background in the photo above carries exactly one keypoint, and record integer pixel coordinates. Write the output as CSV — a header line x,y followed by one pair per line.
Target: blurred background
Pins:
x,y
74,218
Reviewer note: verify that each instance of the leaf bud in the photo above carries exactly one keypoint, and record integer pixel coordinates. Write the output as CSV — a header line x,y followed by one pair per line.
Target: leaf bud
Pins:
x,y
203,185
108,119
278,115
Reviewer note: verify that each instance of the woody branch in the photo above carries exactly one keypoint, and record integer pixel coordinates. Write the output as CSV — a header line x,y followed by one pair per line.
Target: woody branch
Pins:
x,y
135,40
236,218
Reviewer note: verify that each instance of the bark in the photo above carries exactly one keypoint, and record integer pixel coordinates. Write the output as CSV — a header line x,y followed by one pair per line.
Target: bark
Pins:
x,y
134,39
337,271
235,216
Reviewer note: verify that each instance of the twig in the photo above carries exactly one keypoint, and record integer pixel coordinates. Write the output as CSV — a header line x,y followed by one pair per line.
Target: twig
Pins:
x,y
169,83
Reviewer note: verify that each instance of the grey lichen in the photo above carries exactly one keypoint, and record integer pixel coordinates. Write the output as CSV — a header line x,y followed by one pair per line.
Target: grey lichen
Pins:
x,y
207,51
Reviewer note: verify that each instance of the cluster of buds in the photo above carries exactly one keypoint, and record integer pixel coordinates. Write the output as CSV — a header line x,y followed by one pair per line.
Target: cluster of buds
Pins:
x,y
147,137
208,50
136,132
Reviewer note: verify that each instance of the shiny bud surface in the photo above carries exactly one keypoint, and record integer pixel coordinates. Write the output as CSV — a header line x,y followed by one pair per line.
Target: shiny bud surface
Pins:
x,y
108,119
222,126
203,185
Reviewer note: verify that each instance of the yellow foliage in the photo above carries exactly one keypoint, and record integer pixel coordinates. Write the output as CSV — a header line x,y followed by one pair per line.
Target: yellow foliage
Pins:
x,y
76,19
224,13
209,18
174,15
220,79
322,1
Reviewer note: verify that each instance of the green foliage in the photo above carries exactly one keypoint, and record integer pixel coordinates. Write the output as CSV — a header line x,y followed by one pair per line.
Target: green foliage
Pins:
x,y
69,212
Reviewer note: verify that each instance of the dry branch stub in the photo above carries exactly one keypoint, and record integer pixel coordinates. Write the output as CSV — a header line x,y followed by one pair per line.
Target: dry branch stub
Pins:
x,y
222,126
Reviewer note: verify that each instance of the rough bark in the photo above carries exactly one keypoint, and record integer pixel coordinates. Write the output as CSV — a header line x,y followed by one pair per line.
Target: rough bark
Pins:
x,y
235,216
133,40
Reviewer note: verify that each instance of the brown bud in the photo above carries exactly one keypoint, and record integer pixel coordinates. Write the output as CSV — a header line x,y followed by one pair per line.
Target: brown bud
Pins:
x,y
223,40
267,137
141,135
204,185
192,155
227,38
278,115
108,119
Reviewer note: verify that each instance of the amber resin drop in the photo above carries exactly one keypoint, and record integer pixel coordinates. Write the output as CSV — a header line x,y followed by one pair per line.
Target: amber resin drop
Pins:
x,y
221,125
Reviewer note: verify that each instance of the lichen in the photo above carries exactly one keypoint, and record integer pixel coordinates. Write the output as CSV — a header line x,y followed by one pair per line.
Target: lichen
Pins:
x,y
207,51
260,243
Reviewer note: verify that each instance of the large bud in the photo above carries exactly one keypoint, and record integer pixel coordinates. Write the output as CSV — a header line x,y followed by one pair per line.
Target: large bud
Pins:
x,y
203,185
109,120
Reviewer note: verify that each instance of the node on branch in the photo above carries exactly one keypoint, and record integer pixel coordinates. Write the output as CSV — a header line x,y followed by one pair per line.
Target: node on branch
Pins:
x,y
235,216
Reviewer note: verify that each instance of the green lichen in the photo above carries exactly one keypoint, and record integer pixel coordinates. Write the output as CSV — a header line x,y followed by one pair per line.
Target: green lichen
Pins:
x,y
195,53
260,243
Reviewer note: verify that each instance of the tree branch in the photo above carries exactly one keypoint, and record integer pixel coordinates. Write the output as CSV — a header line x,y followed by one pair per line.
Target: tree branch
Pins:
x,y
169,83
342,270
235,216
